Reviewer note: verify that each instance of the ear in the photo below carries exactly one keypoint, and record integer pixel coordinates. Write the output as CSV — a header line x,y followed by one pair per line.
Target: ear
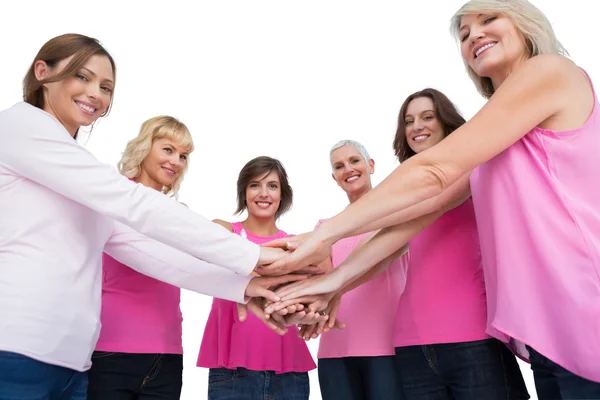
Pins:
x,y
41,70
333,176
372,165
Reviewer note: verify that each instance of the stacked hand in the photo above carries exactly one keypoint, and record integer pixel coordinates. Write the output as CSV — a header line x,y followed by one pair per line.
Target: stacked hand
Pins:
x,y
292,290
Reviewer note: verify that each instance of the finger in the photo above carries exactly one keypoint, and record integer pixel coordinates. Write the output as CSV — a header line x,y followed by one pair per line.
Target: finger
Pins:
x,y
284,279
335,307
321,326
310,270
275,307
291,309
280,243
291,289
295,319
242,311
279,267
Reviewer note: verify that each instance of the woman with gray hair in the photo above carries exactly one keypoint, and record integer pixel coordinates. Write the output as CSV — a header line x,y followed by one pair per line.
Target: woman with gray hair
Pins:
x,y
530,155
357,362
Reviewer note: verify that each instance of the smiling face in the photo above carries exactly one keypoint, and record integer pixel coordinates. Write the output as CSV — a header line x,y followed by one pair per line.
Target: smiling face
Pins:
x,y
164,164
491,45
423,129
350,170
81,99
263,195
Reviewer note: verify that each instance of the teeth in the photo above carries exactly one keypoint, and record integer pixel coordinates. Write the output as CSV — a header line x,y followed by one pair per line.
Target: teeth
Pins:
x,y
169,171
352,178
86,108
261,204
487,46
420,138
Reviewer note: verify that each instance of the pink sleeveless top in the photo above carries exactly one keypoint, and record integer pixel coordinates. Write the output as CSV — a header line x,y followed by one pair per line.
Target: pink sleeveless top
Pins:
x,y
444,300
229,343
139,314
368,310
538,212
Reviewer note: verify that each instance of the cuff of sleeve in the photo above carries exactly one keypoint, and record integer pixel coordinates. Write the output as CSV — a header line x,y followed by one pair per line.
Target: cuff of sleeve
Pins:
x,y
238,288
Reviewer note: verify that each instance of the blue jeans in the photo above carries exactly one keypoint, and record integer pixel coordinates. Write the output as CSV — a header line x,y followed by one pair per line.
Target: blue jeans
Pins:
x,y
553,382
244,384
129,376
23,378
483,369
359,378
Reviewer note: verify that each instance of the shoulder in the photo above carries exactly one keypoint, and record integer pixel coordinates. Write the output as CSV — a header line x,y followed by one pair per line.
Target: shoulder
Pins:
x,y
224,224
551,68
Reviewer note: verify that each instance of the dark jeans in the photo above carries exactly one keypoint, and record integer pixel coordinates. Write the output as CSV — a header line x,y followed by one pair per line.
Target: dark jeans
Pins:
x,y
359,378
243,384
23,378
483,369
125,376
553,382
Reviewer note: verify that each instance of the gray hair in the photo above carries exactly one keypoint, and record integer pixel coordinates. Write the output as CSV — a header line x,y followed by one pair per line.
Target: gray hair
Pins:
x,y
529,20
359,147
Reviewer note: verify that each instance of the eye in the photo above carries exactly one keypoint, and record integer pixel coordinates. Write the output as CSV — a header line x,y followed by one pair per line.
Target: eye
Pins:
x,y
428,117
168,150
274,186
354,161
106,89
82,77
183,157
253,185
338,166
464,37
408,122
488,20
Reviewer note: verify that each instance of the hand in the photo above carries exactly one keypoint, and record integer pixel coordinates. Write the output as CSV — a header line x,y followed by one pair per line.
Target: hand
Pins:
x,y
308,251
262,286
269,254
300,292
308,332
256,307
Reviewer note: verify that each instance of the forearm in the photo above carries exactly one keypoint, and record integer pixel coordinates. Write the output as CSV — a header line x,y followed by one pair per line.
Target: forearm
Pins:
x,y
383,245
457,193
374,271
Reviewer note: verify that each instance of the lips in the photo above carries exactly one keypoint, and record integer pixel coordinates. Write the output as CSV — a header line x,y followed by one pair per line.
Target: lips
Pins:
x,y
170,172
420,137
477,50
263,204
351,179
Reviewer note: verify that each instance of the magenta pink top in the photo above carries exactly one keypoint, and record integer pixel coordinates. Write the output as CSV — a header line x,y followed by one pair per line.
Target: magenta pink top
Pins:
x,y
368,310
538,212
444,300
139,314
229,343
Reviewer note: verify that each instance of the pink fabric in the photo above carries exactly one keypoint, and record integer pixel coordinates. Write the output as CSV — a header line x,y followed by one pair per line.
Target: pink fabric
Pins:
x,y
538,213
229,343
444,300
368,310
139,314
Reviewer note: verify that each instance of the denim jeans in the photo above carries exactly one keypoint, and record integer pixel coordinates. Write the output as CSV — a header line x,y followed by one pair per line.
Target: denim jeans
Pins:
x,y
23,378
553,382
359,378
244,384
127,376
483,369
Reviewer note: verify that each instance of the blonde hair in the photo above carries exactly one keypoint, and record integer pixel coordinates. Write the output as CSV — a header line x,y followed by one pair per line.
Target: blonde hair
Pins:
x,y
529,20
137,149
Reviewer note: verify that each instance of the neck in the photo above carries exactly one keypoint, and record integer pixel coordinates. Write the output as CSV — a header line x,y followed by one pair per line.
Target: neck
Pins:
x,y
352,197
260,226
145,180
71,129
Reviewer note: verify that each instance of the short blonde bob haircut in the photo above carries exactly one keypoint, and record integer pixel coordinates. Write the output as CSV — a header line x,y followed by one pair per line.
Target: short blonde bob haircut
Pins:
x,y
137,149
529,20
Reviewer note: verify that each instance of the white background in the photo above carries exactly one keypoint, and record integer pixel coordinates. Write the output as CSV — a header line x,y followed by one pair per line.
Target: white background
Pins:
x,y
279,78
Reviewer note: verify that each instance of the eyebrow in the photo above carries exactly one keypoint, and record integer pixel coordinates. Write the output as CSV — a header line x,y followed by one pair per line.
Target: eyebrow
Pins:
x,y
94,74
187,153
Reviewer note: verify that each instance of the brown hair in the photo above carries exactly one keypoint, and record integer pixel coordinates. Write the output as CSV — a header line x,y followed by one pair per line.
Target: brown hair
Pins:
x,y
445,111
262,166
55,50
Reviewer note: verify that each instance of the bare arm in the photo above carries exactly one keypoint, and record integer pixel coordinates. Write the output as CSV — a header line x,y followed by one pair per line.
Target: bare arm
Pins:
x,y
534,93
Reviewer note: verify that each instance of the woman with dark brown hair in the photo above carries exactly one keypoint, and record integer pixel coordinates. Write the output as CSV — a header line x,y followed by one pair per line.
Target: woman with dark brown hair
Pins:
x,y
247,360
442,348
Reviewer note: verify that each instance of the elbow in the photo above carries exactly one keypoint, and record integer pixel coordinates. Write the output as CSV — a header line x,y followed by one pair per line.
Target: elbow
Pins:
x,y
434,178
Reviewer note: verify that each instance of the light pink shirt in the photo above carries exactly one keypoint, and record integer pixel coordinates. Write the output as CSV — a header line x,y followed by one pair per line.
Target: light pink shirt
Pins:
x,y
60,208
538,212
444,300
368,310
230,343
139,314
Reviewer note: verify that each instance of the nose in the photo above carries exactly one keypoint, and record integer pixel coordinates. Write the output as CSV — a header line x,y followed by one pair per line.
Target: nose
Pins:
x,y
93,91
175,160
417,125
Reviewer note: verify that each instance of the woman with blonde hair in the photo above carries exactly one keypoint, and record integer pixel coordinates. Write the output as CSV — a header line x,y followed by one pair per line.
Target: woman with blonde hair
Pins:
x,y
531,157
139,353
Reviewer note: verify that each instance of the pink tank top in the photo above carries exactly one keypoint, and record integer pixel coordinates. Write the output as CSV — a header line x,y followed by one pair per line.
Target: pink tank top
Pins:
x,y
538,212
444,300
229,343
368,310
139,314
